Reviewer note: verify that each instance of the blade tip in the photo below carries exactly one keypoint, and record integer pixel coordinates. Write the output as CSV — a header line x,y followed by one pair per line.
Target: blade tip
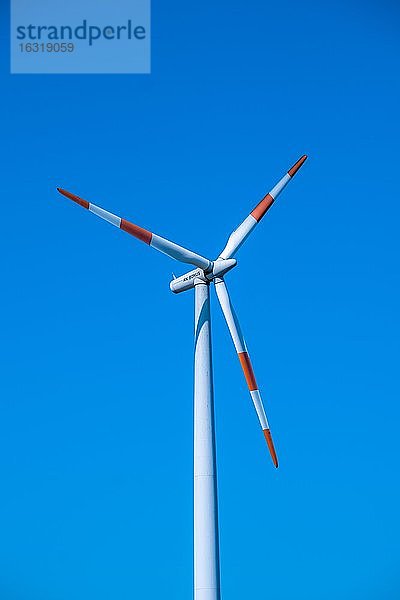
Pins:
x,y
73,197
297,165
271,447
63,192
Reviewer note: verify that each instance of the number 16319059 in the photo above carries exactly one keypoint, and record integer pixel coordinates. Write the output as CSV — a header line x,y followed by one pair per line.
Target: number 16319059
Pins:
x,y
47,47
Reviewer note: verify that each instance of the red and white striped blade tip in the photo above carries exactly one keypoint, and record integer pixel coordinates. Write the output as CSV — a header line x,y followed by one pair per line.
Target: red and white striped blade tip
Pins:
x,y
271,446
297,165
73,197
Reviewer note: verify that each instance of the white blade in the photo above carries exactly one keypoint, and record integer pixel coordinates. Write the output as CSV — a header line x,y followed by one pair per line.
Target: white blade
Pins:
x,y
241,349
240,234
157,242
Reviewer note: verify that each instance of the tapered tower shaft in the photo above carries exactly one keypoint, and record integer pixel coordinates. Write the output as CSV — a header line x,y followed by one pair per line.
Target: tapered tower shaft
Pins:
x,y
206,543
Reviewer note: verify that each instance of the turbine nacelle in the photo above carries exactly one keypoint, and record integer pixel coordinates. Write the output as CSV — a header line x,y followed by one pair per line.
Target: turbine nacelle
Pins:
x,y
187,281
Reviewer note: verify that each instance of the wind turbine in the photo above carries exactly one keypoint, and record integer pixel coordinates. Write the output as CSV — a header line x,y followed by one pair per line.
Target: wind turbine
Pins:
x,y
206,543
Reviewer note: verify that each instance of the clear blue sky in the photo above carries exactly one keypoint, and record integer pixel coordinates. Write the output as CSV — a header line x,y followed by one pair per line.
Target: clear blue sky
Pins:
x,y
96,385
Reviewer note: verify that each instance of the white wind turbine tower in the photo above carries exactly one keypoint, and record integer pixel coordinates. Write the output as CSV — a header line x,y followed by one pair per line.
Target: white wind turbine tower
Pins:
x,y
206,544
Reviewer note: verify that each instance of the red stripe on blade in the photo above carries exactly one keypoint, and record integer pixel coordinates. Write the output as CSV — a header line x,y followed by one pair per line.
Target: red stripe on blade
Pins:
x,y
248,370
271,447
76,199
262,207
297,165
135,230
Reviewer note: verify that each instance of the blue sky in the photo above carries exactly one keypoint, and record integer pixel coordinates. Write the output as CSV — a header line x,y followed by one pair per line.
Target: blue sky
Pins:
x,y
96,386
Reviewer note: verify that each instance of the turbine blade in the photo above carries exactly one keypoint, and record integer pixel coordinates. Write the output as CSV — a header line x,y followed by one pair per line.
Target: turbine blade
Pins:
x,y
155,241
244,358
240,234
